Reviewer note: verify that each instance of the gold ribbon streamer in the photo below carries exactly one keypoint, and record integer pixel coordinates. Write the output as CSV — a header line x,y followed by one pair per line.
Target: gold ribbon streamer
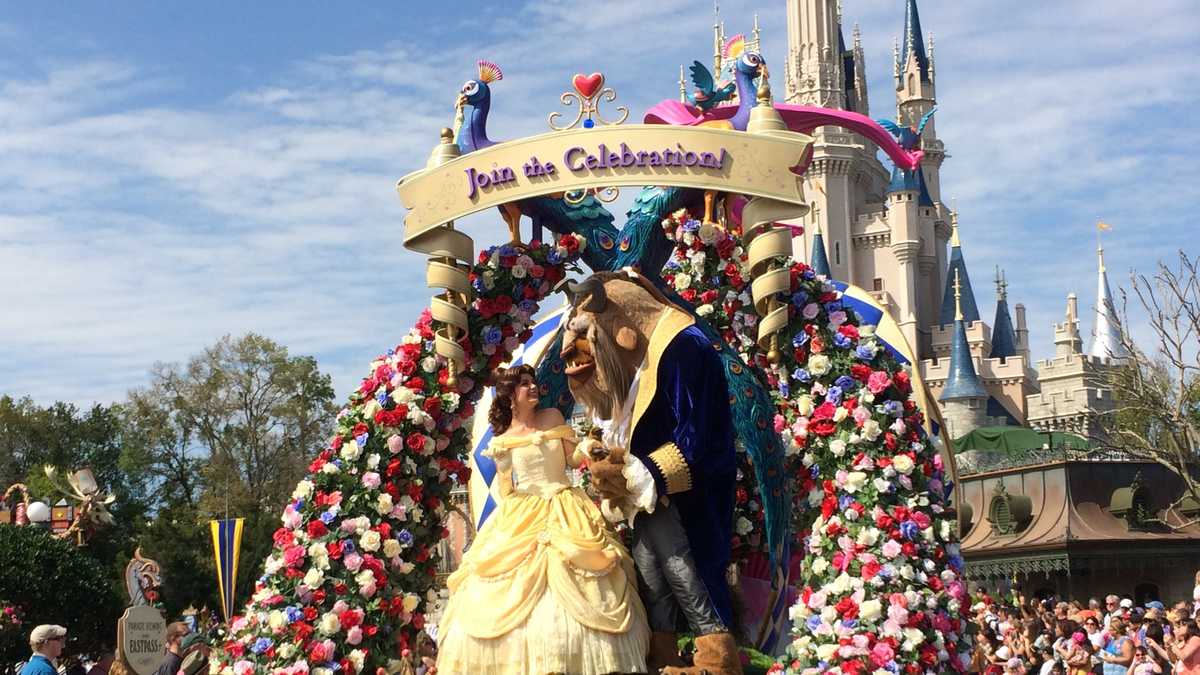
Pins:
x,y
450,253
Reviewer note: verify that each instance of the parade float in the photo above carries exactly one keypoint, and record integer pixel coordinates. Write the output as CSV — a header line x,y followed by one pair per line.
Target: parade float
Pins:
x,y
844,553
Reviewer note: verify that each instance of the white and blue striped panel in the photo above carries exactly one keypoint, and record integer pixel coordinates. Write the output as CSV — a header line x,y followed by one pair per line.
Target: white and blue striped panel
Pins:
x,y
483,470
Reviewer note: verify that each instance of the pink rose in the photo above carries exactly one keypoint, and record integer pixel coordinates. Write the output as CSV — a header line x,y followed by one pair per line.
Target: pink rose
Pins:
x,y
780,424
354,635
811,310
878,381
353,562
293,556
395,443
370,480
881,653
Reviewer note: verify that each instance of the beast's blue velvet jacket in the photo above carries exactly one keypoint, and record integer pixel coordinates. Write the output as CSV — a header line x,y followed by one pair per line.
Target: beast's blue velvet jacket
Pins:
x,y
683,399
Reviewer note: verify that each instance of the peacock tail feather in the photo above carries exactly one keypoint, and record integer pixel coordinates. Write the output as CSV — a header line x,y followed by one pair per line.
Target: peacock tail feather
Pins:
x,y
588,218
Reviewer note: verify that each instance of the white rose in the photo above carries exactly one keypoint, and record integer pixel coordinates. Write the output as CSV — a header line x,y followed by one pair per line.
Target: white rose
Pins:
x,y
314,578
805,405
682,281
276,620
826,651
329,467
370,541
854,481
704,310
871,430
903,464
329,623
383,505
518,272
391,548
411,601
304,490
870,609
373,461
358,656
837,447
743,526
818,364
319,556
350,450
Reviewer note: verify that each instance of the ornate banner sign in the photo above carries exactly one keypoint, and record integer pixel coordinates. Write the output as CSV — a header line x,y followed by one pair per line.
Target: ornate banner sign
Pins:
x,y
750,163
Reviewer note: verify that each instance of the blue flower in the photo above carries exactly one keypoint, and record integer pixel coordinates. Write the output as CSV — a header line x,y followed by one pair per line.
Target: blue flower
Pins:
x,y
785,389
845,382
527,306
383,398
507,251
691,225
841,341
813,622
864,353
405,537
348,546
298,505
261,645
849,623
845,501
809,274
801,374
327,517
672,264
799,339
294,614
909,530
492,335
834,306
893,408
834,395
799,298
361,439
552,257
814,471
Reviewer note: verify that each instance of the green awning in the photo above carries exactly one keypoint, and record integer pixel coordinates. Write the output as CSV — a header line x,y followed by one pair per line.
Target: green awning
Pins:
x,y
1016,440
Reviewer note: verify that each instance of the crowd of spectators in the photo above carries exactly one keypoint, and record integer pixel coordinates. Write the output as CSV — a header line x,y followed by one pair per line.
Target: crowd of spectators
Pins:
x,y
1110,636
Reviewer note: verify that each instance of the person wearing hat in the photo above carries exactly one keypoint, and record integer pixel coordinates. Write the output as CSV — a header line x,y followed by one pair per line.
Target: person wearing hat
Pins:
x,y
194,650
46,641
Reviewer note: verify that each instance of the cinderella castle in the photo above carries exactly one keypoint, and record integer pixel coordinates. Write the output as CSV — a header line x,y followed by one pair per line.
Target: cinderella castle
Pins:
x,y
890,232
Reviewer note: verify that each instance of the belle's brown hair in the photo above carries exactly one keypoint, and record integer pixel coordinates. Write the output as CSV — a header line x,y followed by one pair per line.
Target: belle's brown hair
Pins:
x,y
506,381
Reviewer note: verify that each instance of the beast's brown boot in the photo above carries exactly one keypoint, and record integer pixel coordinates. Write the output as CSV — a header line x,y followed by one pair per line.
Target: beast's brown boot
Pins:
x,y
716,654
664,651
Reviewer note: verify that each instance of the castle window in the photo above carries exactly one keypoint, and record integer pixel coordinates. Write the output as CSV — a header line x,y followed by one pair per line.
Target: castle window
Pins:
x,y
877,284
912,83
837,253
1133,504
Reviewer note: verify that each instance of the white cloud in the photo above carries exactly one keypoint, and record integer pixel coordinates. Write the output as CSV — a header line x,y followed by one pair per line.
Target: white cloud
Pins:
x,y
135,228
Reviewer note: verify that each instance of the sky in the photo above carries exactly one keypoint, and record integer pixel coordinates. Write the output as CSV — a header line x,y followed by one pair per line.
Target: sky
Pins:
x,y
176,172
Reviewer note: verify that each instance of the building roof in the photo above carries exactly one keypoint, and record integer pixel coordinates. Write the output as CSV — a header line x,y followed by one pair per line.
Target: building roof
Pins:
x,y
910,181
1107,342
996,408
1068,507
820,261
848,75
1017,440
961,380
969,309
1004,338
913,41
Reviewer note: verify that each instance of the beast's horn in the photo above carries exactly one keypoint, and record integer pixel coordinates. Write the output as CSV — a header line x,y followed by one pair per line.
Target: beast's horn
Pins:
x,y
593,290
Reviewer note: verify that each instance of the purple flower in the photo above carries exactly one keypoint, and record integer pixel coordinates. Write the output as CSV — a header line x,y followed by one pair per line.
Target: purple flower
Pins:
x,y
361,439
834,394
909,530
799,339
348,546
492,335
845,382
813,622
405,537
841,341
692,225
327,517
893,408
799,298
527,306
801,375
864,353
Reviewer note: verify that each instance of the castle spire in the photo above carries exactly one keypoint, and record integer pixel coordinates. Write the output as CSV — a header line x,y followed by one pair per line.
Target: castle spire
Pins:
x,y
820,261
912,43
961,380
1004,338
956,269
1106,334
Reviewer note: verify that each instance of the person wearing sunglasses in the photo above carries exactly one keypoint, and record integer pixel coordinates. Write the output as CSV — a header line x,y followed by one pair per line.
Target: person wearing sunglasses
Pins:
x,y
46,641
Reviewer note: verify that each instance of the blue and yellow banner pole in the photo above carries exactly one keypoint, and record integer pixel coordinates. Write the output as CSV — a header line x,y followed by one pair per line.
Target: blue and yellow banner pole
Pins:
x,y
227,545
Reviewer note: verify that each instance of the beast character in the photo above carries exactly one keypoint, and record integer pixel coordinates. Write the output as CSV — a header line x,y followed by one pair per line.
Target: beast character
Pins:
x,y
656,388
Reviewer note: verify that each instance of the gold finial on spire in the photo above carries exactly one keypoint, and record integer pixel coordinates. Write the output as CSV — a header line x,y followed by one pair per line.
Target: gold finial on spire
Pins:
x,y
1100,227
1001,284
958,315
954,241
756,44
682,86
717,42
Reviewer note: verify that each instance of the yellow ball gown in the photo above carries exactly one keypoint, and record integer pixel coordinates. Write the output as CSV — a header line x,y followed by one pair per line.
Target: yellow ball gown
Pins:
x,y
546,587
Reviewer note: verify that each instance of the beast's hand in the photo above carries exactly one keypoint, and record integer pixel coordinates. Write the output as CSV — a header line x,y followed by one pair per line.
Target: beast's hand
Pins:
x,y
607,474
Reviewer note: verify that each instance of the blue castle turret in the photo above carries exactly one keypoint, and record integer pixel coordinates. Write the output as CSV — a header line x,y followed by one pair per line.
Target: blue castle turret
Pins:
x,y
963,399
820,261
957,269
1004,338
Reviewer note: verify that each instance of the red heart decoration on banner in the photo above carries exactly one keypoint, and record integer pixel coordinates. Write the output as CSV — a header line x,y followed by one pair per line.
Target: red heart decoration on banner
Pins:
x,y
588,85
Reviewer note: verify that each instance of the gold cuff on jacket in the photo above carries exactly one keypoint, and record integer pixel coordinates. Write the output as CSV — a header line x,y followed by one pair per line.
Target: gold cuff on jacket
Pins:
x,y
670,462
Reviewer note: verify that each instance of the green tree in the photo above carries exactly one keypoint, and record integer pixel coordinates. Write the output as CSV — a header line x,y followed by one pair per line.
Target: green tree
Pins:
x,y
54,581
229,432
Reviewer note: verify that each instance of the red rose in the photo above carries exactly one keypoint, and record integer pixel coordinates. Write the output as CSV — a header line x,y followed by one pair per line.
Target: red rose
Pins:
x,y
869,570
316,529
689,295
824,411
822,427
902,382
283,538
310,613
847,608
860,372
848,331
415,441
336,443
